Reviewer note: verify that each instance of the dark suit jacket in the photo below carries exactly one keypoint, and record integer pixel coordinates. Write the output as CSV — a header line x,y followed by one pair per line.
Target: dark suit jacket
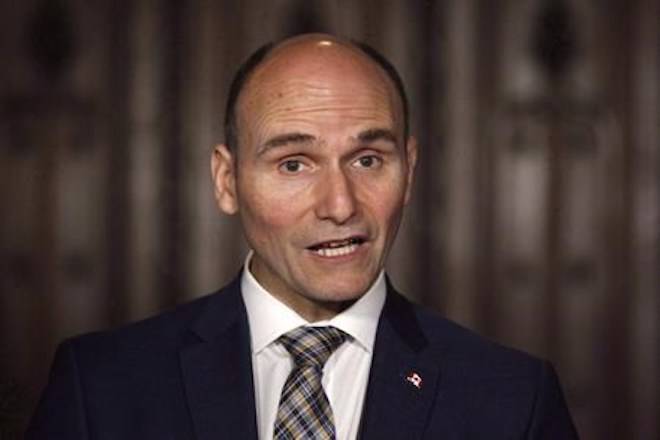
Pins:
x,y
187,374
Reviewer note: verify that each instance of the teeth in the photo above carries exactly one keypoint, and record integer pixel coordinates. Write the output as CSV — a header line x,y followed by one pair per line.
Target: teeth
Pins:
x,y
336,252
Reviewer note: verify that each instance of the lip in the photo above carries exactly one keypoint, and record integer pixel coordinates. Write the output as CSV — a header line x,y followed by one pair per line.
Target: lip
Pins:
x,y
338,257
359,239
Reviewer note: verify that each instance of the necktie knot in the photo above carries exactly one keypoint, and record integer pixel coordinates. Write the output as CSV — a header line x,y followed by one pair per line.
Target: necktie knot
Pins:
x,y
312,346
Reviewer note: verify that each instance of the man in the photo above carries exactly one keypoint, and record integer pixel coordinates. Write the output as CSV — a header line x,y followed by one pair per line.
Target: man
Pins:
x,y
310,341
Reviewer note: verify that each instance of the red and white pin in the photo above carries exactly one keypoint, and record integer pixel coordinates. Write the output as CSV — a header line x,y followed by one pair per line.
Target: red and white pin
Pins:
x,y
415,379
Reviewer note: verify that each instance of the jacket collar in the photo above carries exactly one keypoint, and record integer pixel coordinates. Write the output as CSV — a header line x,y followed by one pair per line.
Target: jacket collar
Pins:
x,y
402,385
217,369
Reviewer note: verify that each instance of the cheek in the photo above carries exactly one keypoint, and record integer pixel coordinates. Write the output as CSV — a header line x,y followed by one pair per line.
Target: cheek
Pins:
x,y
274,199
264,216
385,201
267,209
389,217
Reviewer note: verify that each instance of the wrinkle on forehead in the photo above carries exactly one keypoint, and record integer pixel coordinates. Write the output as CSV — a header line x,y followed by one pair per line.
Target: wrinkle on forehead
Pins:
x,y
318,95
302,106
304,77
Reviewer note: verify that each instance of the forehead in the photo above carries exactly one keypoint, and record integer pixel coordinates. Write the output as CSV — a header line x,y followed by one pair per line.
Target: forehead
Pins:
x,y
333,79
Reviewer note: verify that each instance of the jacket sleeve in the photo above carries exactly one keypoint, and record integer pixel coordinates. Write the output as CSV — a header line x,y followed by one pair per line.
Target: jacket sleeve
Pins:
x,y
550,418
60,413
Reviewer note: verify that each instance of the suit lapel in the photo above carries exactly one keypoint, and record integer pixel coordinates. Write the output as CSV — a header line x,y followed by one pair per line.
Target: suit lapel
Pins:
x,y
217,370
402,386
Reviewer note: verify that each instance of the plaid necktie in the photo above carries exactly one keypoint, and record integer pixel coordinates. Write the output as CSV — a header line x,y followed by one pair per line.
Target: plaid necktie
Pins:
x,y
304,411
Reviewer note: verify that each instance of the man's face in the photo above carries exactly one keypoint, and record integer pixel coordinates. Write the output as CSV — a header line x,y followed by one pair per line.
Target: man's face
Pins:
x,y
321,177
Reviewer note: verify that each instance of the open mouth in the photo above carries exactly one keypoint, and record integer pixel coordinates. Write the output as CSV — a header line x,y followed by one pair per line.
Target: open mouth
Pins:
x,y
337,248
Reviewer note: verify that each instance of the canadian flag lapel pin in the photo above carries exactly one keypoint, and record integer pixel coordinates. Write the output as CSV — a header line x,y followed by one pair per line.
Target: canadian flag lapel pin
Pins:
x,y
415,379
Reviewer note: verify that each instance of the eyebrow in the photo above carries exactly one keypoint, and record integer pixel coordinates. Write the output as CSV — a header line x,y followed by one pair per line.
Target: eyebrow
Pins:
x,y
284,139
377,134
366,137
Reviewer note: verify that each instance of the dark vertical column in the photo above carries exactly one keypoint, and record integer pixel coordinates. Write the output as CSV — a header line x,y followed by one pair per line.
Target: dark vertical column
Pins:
x,y
489,18
621,257
174,39
615,319
554,44
428,113
117,207
645,310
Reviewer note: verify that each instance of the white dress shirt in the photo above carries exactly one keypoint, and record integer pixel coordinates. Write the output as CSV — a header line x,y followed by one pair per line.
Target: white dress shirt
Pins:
x,y
346,372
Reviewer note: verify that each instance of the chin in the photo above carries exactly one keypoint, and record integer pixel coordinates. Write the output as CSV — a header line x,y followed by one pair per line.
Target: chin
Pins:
x,y
343,290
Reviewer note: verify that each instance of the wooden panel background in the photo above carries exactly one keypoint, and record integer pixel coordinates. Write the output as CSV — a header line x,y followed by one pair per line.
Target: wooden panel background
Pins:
x,y
536,218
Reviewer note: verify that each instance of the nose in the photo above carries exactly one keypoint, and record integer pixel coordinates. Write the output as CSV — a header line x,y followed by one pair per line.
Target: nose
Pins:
x,y
337,201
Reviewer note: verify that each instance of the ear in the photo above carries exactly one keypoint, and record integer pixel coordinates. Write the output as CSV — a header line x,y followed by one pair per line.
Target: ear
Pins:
x,y
223,172
411,156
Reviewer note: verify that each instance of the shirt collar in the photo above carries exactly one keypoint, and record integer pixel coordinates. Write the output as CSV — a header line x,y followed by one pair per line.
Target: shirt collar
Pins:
x,y
269,318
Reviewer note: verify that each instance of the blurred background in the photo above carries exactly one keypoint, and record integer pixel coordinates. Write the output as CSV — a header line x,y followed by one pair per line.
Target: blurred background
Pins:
x,y
536,217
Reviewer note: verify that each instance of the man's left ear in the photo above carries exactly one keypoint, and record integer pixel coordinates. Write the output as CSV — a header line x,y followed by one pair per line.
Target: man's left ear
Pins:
x,y
223,172
411,154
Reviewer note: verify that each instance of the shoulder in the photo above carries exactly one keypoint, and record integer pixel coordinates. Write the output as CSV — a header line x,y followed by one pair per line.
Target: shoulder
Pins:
x,y
467,352
114,376
155,338
507,390
166,328
460,344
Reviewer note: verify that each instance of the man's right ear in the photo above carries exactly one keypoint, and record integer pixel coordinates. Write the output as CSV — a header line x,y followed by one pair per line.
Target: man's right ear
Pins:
x,y
223,172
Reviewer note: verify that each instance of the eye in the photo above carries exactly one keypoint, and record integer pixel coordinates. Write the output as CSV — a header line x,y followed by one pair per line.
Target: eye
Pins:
x,y
291,166
369,161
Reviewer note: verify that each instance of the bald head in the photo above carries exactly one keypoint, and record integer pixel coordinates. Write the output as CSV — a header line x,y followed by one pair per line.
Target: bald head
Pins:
x,y
329,60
